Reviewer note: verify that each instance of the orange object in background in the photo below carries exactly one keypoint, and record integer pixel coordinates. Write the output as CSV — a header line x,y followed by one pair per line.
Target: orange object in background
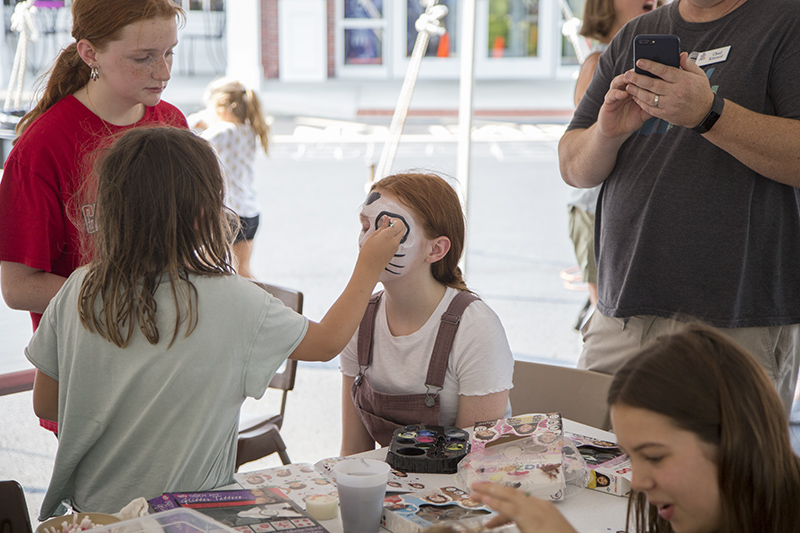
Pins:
x,y
443,50
499,46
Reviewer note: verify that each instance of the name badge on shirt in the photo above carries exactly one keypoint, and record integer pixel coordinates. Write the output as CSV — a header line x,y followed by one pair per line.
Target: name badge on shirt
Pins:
x,y
710,57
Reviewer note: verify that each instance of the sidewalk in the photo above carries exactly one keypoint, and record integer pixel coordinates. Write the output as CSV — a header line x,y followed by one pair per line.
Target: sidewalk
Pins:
x,y
513,101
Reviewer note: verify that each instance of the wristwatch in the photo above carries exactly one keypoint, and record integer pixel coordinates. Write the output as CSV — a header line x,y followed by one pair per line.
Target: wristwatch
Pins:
x,y
713,115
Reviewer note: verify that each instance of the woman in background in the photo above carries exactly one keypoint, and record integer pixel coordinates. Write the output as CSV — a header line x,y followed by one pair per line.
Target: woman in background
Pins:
x,y
602,19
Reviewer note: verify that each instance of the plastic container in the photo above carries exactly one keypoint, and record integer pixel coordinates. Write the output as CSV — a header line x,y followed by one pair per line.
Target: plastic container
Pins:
x,y
173,521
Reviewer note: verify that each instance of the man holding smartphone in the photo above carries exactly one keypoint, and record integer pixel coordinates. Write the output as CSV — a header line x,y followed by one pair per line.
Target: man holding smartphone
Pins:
x,y
699,212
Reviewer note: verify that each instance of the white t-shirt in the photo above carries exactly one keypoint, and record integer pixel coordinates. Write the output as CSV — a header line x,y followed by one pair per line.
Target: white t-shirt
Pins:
x,y
146,419
236,147
480,359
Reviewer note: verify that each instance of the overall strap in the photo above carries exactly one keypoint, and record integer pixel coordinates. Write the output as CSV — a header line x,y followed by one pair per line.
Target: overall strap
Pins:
x,y
444,338
365,329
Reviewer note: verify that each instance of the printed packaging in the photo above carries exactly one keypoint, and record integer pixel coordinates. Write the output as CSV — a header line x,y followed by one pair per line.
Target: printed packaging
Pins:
x,y
610,468
413,513
524,452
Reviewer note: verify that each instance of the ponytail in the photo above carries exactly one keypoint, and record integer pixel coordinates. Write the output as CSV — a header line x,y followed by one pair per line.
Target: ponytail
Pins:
x,y
447,275
230,95
68,75
255,117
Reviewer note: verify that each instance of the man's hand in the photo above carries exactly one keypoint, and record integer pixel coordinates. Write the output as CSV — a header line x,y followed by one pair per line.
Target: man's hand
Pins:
x,y
683,96
620,116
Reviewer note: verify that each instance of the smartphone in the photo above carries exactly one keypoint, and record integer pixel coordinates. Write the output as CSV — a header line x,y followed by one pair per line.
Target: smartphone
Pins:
x,y
665,49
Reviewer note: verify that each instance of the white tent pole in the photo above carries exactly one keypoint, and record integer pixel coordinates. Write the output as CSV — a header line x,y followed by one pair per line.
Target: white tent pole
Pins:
x,y
466,85
429,22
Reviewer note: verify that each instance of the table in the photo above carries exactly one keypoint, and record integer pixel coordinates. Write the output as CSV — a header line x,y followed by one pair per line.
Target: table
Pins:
x,y
588,511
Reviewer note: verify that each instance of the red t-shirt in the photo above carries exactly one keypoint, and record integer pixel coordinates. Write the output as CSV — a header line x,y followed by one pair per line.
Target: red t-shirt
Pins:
x,y
43,173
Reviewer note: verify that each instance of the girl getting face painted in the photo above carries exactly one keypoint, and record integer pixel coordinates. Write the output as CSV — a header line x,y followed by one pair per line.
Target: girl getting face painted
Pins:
x,y
373,210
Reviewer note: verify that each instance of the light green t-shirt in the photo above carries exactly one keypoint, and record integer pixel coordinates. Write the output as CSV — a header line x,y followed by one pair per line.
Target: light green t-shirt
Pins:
x,y
149,419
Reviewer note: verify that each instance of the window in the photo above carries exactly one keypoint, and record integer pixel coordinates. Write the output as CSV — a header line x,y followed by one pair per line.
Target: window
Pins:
x,y
513,28
361,37
438,46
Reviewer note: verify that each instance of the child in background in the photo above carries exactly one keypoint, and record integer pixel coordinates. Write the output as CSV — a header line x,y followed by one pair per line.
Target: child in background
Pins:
x,y
147,378
232,122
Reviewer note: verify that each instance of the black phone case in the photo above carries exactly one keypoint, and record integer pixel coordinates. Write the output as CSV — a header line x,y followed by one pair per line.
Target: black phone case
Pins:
x,y
664,49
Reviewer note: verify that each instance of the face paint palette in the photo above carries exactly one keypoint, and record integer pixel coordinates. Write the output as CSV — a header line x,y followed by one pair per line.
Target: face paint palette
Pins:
x,y
428,449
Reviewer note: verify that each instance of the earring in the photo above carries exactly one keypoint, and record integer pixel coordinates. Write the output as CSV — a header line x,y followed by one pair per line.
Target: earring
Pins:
x,y
94,74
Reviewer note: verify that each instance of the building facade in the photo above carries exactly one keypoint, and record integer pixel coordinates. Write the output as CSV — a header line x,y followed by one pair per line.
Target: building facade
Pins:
x,y
315,40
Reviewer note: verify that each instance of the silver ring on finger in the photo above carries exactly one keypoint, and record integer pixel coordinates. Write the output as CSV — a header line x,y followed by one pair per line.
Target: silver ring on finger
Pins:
x,y
655,101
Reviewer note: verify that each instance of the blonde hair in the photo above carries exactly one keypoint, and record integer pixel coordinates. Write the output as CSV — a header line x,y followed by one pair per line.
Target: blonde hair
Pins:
x,y
234,97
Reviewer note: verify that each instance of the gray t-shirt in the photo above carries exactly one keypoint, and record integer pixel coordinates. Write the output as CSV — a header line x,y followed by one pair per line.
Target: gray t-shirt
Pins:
x,y
682,227
142,420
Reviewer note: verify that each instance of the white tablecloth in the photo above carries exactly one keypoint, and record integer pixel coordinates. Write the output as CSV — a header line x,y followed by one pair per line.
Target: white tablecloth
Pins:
x,y
588,511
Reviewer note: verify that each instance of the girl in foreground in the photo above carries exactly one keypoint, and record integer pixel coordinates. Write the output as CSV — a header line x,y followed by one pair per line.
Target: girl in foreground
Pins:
x,y
708,440
394,374
146,354
232,123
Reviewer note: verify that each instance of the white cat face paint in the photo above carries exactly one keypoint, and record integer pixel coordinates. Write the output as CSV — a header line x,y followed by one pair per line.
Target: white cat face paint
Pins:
x,y
411,245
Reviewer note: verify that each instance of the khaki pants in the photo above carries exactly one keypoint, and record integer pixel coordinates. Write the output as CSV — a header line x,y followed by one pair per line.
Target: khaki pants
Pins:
x,y
610,342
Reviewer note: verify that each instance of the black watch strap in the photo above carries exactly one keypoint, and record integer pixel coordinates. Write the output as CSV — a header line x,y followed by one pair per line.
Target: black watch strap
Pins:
x,y
713,115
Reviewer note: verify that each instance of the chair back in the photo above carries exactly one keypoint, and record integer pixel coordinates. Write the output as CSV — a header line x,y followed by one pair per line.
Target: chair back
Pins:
x,y
284,378
579,395
14,517
259,435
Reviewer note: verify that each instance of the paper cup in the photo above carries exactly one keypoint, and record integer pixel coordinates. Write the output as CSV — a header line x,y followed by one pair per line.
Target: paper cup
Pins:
x,y
362,487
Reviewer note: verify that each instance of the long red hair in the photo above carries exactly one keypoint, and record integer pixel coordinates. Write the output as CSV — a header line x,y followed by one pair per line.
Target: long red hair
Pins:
x,y
99,22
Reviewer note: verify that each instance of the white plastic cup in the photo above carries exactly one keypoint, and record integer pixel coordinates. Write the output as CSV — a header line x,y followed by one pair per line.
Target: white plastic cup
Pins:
x,y
362,487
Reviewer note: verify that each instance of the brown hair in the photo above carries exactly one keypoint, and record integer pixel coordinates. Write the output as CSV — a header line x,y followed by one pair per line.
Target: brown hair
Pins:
x,y
159,213
99,22
599,18
709,385
232,96
438,207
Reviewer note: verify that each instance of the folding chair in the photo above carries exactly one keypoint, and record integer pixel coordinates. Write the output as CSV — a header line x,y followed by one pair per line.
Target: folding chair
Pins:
x,y
259,435
579,395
